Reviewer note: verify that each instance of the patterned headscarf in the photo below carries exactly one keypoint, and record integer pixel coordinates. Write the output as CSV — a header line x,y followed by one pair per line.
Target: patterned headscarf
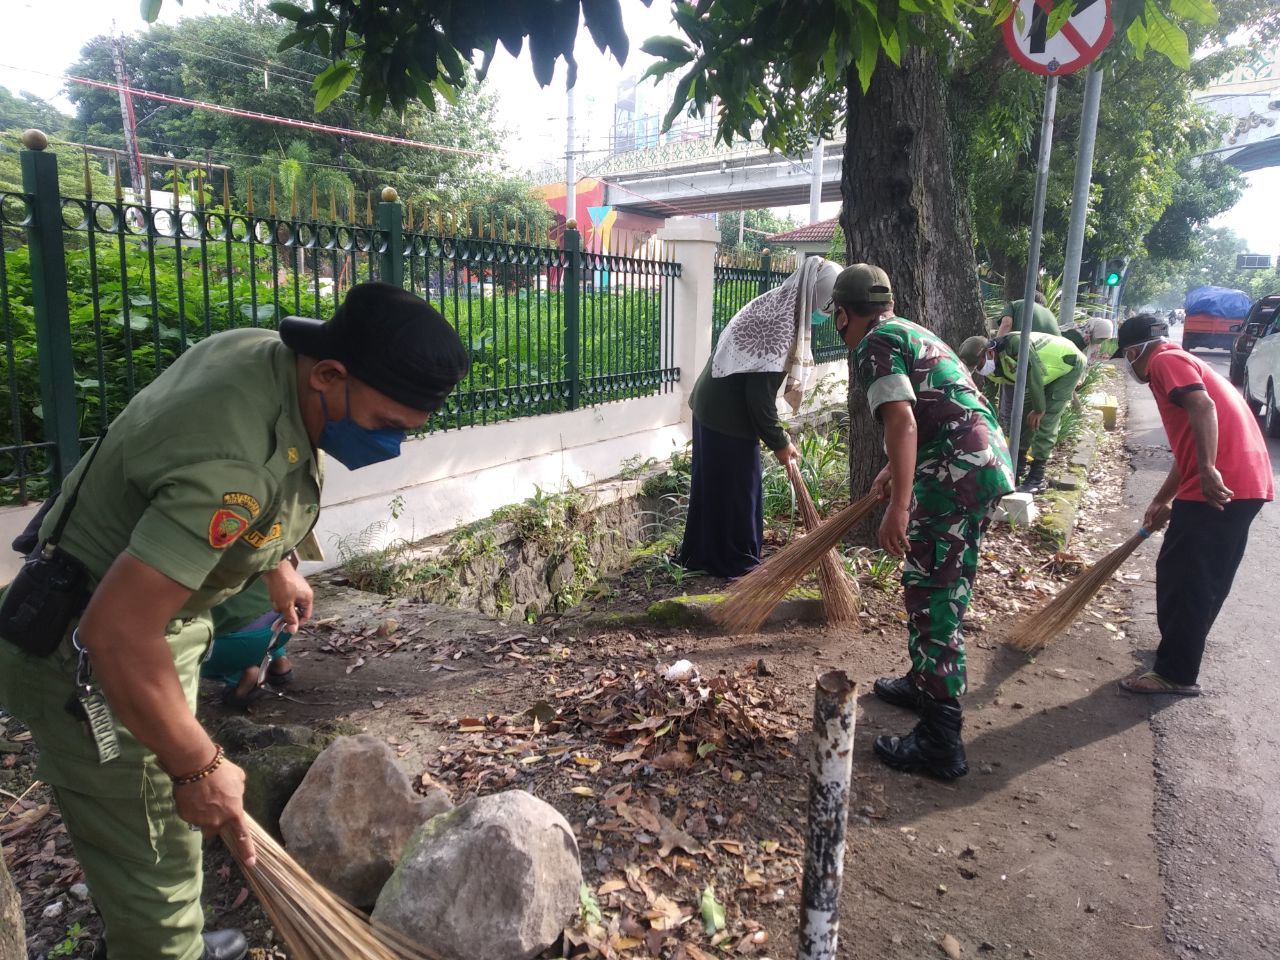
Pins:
x,y
773,332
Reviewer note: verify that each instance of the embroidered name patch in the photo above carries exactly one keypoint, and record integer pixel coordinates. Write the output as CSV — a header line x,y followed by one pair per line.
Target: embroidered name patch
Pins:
x,y
257,539
225,527
242,500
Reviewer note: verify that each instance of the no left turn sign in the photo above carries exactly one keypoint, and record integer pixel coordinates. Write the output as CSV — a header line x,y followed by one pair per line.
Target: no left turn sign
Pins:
x,y
1075,45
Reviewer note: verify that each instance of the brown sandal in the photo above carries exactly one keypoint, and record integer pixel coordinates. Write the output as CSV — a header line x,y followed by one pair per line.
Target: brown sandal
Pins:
x,y
1152,683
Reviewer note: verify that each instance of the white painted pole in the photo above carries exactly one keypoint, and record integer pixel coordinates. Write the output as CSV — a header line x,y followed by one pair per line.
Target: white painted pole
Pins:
x,y
1033,263
815,184
830,774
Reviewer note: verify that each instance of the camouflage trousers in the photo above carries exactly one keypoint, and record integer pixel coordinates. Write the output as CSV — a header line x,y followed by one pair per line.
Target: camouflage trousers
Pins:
x,y
943,540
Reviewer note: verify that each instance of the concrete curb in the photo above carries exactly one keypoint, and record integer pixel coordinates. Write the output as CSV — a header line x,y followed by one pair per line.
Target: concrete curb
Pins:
x,y
1060,504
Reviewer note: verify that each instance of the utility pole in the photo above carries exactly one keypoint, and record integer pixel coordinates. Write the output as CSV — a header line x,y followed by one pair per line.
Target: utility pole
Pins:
x,y
570,171
127,115
815,184
1080,195
742,226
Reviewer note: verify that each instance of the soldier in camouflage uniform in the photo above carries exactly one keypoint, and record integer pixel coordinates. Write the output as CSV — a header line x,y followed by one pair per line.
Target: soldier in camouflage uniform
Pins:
x,y
948,464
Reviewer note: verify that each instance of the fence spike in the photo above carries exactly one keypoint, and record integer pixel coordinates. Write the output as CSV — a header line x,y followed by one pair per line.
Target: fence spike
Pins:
x,y
175,188
226,191
119,185
146,183
408,214
293,200
88,180
440,222
333,205
368,208
200,178
271,196
351,206
249,193
315,201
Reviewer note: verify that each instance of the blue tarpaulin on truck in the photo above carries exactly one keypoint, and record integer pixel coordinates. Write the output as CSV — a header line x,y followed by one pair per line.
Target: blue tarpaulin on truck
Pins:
x,y
1218,302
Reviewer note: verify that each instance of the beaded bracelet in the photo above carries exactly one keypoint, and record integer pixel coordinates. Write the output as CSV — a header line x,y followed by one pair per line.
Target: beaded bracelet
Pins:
x,y
203,772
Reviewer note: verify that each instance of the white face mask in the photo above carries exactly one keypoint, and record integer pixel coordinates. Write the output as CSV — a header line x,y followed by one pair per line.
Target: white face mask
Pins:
x,y
988,368
1128,364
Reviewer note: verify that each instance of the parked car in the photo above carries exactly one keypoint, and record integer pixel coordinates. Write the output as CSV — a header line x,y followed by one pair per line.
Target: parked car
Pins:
x,y
1259,318
1262,372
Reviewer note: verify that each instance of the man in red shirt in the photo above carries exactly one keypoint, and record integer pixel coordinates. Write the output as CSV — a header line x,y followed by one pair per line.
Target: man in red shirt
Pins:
x,y
1220,479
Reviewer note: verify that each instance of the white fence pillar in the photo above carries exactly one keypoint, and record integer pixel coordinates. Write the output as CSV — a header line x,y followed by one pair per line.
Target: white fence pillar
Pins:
x,y
694,241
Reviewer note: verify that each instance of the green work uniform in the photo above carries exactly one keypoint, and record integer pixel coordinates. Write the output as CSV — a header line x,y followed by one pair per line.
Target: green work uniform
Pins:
x,y
209,477
962,467
1054,367
1042,318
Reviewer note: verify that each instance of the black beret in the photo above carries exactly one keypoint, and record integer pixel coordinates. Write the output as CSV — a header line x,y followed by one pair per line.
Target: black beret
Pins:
x,y
389,338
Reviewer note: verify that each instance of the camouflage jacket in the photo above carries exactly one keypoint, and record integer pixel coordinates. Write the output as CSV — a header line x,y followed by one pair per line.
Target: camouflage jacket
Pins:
x,y
960,447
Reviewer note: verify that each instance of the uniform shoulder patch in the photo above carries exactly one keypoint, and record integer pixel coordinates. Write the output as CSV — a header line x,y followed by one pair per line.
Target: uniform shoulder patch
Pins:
x,y
225,527
257,539
249,502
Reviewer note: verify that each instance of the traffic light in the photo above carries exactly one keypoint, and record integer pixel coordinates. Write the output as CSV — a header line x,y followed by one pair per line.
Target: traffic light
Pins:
x,y
1114,271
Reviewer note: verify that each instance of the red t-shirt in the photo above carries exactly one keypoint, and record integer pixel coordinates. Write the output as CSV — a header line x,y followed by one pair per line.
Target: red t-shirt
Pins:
x,y
1242,451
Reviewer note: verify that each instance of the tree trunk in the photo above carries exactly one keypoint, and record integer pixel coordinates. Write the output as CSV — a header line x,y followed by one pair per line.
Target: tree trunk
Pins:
x,y
903,212
13,937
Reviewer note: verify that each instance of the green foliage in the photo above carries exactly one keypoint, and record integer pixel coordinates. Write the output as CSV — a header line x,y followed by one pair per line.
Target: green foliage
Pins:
x,y
224,59
758,224
415,50
1164,283
70,944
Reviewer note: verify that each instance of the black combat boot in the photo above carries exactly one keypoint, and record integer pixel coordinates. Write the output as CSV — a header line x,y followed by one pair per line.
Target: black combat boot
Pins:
x,y
1034,481
933,747
901,692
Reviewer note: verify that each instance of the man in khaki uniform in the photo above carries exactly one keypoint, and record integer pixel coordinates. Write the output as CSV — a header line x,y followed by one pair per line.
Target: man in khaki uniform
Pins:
x,y
208,480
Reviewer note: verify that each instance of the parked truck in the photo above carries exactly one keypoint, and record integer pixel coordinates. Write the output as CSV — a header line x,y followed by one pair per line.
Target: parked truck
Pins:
x,y
1215,317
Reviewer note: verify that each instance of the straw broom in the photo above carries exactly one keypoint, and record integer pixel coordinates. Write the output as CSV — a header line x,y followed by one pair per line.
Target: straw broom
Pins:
x,y
312,922
839,596
751,599
1034,630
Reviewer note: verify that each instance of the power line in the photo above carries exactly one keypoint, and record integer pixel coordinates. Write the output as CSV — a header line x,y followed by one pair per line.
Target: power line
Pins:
x,y
265,117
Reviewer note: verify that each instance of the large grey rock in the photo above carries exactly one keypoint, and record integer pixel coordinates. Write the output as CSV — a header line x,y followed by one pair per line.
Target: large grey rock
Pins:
x,y
271,776
350,819
497,878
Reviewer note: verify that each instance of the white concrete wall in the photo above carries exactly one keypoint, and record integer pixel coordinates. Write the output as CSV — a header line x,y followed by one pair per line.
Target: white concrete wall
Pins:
x,y
449,479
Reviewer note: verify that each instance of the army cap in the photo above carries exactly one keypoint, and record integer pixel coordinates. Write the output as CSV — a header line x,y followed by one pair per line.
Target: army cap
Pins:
x,y
973,350
862,283
389,338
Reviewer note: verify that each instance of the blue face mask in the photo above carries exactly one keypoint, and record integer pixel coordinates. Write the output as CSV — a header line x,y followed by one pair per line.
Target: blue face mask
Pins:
x,y
355,446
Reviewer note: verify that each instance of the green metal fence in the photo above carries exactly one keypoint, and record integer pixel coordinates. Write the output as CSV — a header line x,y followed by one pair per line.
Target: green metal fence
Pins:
x,y
737,285
99,296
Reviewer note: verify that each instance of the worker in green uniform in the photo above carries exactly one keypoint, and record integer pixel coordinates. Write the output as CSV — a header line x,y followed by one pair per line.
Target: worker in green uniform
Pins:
x,y
210,477
1055,366
1042,318
948,465
248,637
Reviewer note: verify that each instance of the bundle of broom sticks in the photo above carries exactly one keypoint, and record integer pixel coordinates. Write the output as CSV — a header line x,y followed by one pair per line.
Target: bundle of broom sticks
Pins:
x,y
312,922
750,600
1036,629
839,595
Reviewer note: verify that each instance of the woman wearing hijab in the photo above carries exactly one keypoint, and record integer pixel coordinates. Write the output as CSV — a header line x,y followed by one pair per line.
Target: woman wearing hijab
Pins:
x,y
767,344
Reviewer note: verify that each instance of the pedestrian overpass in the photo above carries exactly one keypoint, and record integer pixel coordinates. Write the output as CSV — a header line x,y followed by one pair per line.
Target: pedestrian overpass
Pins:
x,y
688,172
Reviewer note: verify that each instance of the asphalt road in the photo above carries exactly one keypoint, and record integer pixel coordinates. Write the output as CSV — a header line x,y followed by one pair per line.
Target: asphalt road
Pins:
x,y
1217,758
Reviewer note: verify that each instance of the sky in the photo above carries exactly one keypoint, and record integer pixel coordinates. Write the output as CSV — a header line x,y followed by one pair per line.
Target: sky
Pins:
x,y
46,36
